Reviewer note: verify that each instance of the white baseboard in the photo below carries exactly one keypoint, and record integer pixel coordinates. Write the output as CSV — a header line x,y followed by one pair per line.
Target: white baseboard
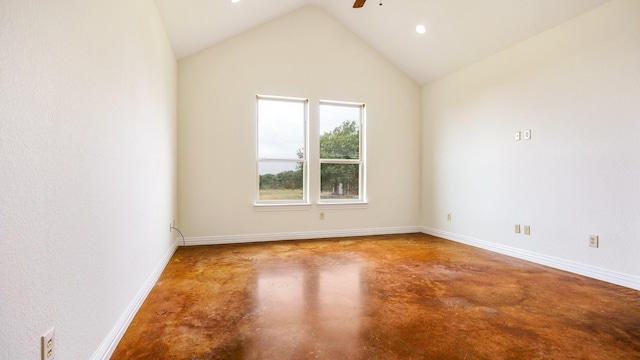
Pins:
x,y
110,343
613,277
249,238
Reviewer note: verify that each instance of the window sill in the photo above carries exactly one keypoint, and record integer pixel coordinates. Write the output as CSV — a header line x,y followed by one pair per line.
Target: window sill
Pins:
x,y
282,207
342,205
307,207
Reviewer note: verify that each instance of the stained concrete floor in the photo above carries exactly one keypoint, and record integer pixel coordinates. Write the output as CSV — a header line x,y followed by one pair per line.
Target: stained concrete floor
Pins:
x,y
383,297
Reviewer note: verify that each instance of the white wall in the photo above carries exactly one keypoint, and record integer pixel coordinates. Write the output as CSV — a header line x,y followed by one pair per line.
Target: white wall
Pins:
x,y
577,87
303,54
87,159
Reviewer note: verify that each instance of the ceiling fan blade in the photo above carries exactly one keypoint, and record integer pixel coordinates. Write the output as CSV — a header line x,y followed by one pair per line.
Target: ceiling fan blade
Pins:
x,y
358,4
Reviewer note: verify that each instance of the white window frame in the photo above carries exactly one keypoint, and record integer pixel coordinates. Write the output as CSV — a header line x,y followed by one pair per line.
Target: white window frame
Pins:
x,y
361,200
282,204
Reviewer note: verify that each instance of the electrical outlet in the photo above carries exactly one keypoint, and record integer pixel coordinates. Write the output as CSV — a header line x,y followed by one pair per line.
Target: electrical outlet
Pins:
x,y
593,241
48,345
517,136
527,230
517,228
448,217
321,216
527,134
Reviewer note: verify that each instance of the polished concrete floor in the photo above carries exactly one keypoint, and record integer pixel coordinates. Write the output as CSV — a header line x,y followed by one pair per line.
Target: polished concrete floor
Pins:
x,y
383,297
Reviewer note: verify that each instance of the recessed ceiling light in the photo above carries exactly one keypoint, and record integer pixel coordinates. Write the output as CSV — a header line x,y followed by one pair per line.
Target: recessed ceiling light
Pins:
x,y
420,29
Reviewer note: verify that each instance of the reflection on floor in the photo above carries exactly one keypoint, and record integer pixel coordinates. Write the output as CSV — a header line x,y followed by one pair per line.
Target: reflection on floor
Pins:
x,y
383,297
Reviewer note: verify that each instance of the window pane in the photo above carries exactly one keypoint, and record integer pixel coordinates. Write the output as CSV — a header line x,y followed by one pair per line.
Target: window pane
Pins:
x,y
280,180
339,131
280,129
339,181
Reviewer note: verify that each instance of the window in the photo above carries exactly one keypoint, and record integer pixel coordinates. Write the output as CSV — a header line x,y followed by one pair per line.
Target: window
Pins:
x,y
337,156
282,150
340,140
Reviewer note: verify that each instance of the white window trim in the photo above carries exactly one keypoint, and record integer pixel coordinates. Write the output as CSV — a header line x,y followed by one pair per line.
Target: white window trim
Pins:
x,y
281,207
263,205
343,205
306,203
347,203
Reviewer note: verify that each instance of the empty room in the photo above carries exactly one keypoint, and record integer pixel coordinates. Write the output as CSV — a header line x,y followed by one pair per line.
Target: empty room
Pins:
x,y
319,179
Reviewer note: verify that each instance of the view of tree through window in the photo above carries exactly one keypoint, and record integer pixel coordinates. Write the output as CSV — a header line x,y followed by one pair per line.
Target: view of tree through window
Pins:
x,y
340,164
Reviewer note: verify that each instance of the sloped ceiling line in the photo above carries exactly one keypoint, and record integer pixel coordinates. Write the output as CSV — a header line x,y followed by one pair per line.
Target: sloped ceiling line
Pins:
x,y
459,32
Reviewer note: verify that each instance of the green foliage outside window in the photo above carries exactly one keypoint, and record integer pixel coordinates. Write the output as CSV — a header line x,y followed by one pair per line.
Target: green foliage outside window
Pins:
x,y
337,180
340,180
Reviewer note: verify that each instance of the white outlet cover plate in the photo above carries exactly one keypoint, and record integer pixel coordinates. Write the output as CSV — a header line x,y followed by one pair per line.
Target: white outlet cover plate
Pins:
x,y
48,345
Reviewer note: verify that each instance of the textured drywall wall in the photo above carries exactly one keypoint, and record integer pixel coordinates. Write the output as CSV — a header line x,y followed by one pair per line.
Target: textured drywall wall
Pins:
x,y
577,88
87,167
304,54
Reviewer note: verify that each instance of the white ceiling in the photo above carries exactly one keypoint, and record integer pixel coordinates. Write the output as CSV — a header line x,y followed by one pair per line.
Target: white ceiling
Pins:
x,y
459,32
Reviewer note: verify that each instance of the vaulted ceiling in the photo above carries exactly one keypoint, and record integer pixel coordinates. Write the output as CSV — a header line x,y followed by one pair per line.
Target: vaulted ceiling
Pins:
x,y
458,32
